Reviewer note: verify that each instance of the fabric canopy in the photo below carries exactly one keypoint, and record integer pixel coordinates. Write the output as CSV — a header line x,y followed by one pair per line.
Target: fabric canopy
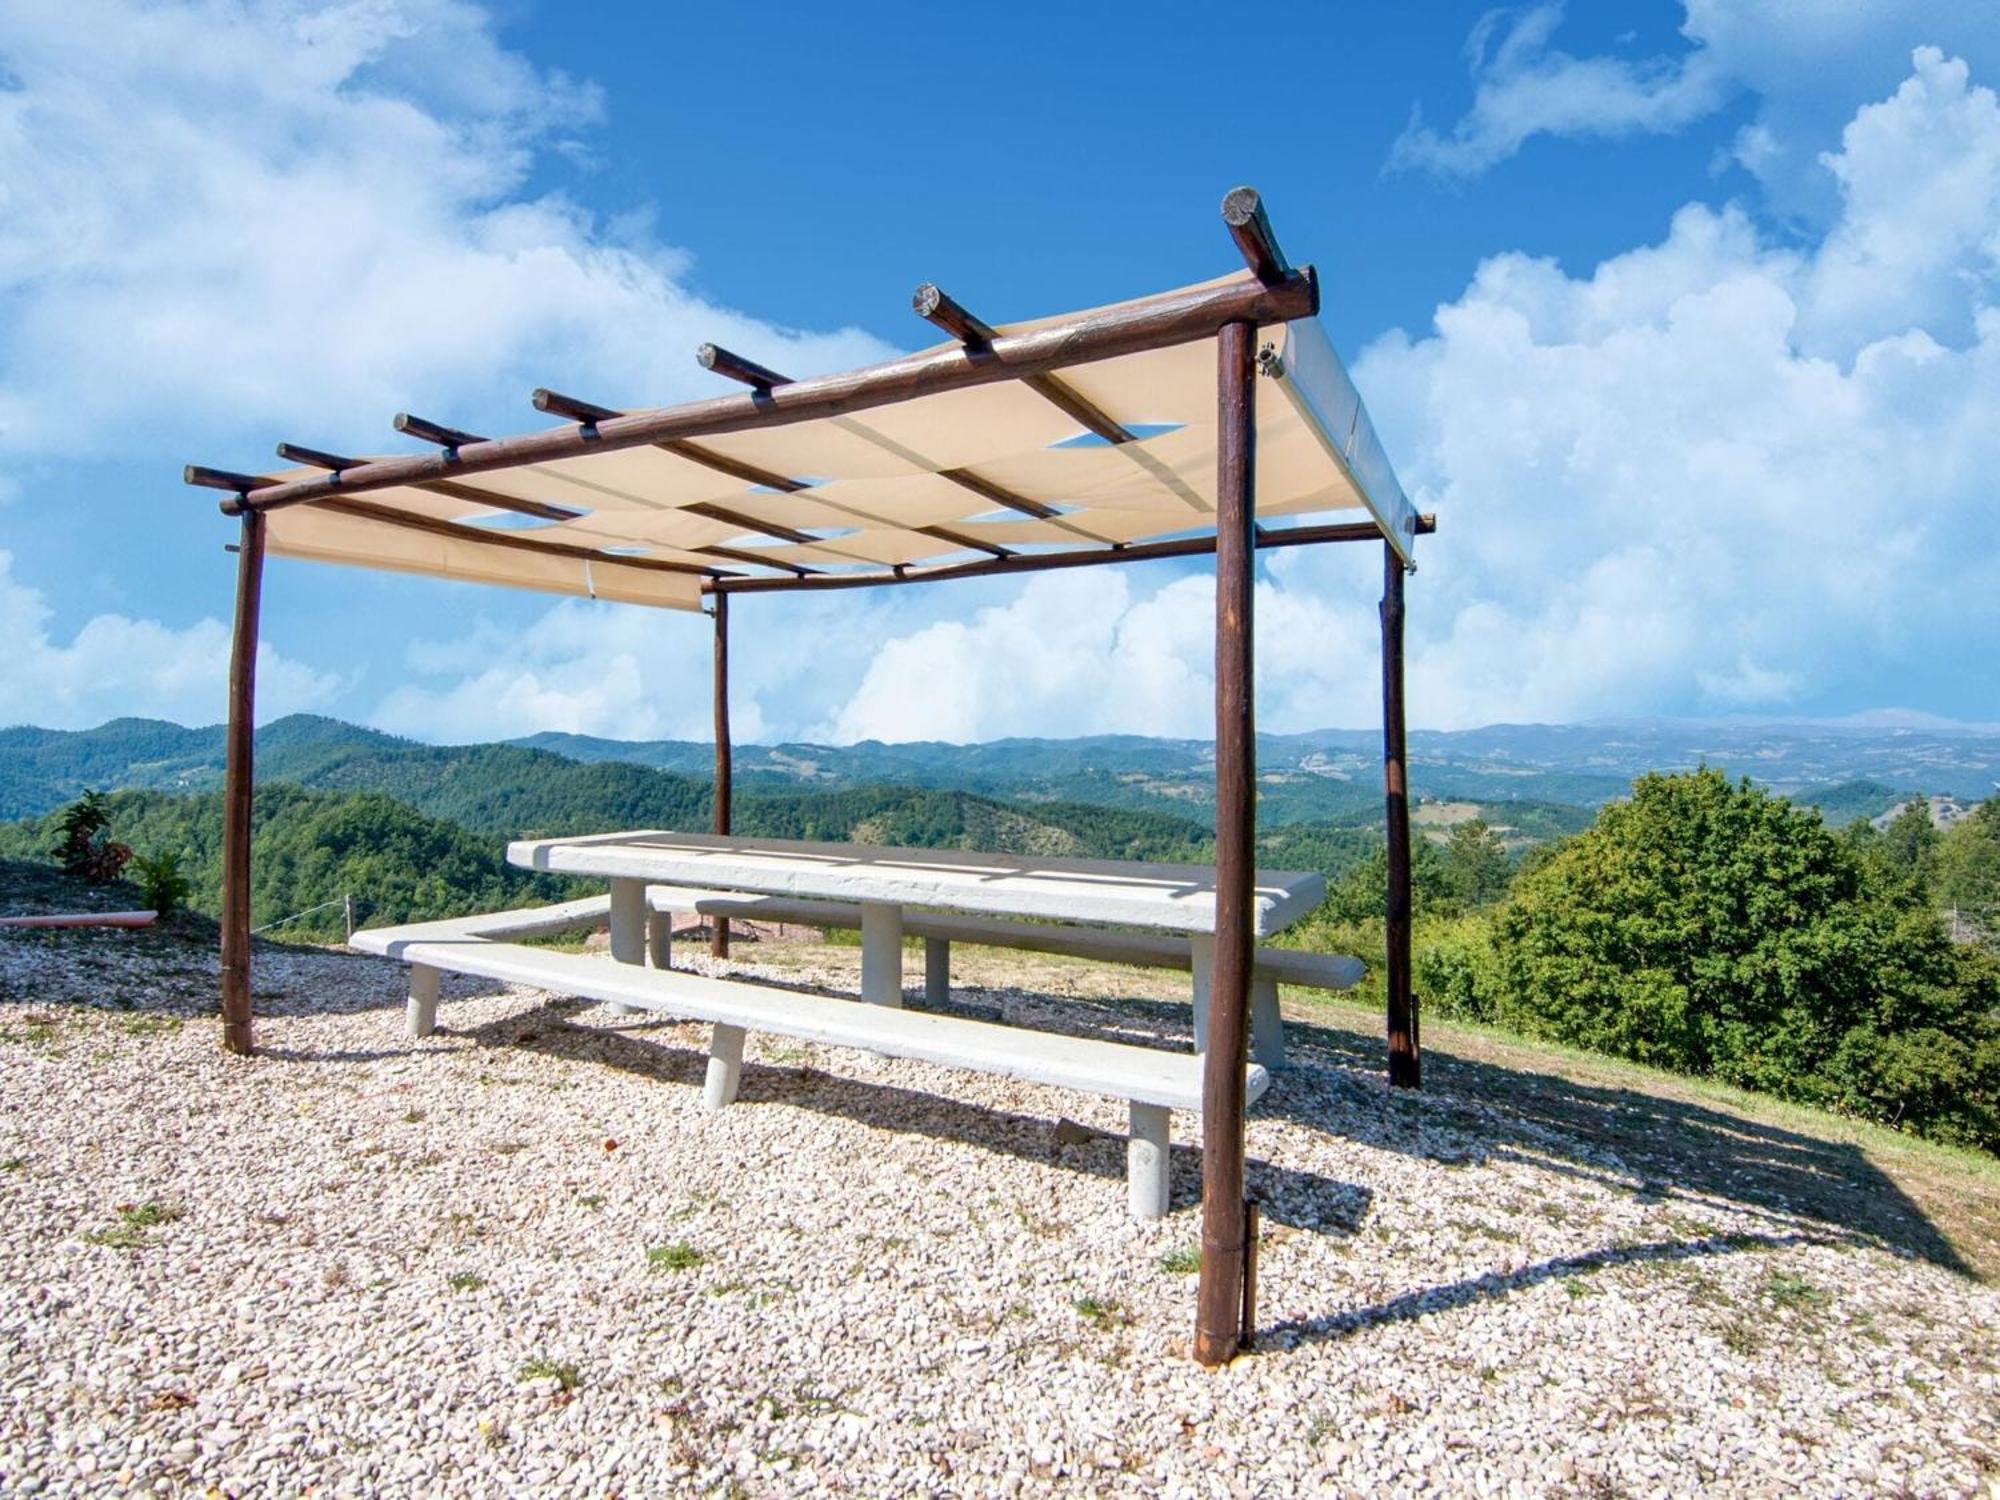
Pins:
x,y
903,485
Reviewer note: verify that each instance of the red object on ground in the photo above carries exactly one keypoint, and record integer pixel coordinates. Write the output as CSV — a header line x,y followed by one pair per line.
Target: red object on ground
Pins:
x,y
85,919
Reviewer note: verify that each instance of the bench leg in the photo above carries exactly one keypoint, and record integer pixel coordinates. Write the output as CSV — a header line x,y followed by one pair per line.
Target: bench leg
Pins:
x,y
1146,1154
423,1007
725,1066
882,953
628,929
1201,948
660,939
937,970
1267,1026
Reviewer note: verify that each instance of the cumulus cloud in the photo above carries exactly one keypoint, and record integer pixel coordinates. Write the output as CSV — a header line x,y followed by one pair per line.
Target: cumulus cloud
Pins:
x,y
1716,473
117,666
234,218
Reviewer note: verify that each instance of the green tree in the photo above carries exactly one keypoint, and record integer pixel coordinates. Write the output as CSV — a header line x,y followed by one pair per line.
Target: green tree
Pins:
x,y
1909,845
1968,864
1476,868
1715,929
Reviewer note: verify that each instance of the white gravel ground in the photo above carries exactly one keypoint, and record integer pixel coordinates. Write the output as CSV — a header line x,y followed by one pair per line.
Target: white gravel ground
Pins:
x,y
518,1258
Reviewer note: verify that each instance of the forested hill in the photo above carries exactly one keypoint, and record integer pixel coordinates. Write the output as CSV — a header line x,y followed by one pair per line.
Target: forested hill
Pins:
x,y
1540,780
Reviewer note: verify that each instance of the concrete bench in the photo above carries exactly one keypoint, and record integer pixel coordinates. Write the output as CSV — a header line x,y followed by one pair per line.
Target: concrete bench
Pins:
x,y
939,930
1153,1083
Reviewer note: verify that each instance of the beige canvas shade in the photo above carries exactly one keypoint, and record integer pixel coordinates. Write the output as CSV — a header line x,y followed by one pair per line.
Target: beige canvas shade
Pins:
x,y
887,488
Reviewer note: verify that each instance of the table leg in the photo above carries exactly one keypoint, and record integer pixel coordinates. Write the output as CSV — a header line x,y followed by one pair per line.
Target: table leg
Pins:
x,y
1267,1024
937,970
1201,948
1147,1152
422,1012
882,953
628,929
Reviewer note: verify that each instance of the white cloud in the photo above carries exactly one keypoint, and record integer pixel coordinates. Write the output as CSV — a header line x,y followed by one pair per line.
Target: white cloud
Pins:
x,y
1524,88
1714,474
116,666
245,218
1804,62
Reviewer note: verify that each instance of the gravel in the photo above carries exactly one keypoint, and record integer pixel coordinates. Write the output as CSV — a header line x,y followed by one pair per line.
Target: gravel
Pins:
x,y
519,1258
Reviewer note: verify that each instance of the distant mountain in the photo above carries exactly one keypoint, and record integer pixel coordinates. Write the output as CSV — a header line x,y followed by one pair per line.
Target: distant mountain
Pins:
x,y
1532,777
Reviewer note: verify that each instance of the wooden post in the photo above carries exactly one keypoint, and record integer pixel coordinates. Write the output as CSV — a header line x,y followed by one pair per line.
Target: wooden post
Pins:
x,y
1405,1061
718,943
1219,1298
238,773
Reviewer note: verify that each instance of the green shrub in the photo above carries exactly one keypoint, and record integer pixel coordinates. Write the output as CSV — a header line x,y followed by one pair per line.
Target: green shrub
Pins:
x,y
1716,930
160,877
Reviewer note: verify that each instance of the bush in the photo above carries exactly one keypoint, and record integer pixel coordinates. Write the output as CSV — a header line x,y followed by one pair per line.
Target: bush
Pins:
x,y
1716,930
84,846
160,877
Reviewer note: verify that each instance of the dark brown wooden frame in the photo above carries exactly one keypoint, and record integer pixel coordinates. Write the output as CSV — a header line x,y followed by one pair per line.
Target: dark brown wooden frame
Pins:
x,y
1231,314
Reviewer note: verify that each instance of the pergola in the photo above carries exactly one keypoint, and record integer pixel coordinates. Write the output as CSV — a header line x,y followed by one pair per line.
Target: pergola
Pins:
x,y
1203,420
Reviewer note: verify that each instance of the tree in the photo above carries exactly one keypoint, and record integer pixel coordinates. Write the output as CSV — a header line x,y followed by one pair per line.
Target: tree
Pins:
x,y
1968,865
1476,868
84,845
1910,842
1718,930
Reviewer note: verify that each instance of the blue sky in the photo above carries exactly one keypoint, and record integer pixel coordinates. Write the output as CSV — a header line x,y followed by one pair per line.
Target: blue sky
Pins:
x,y
1681,316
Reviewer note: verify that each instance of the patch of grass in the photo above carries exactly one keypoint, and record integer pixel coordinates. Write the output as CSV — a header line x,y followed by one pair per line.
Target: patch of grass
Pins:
x,y
134,1219
591,1200
464,1281
1182,1262
1740,1336
679,1256
13,1164
149,1025
413,1117
562,1372
1102,1313
1794,1293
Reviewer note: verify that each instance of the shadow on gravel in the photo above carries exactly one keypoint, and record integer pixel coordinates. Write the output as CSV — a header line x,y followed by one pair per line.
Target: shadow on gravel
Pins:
x,y
1497,1284
1303,1200
1471,1112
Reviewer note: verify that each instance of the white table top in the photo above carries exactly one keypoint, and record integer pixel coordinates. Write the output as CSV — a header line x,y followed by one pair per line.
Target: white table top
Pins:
x,y
1116,893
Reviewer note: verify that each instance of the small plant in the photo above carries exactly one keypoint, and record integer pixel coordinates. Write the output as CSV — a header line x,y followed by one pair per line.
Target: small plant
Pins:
x,y
160,877
464,1281
1102,1313
86,848
564,1374
1795,1292
679,1256
134,1219
1182,1262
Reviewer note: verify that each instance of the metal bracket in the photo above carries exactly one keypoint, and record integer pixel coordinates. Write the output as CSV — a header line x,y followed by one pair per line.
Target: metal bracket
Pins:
x,y
1270,363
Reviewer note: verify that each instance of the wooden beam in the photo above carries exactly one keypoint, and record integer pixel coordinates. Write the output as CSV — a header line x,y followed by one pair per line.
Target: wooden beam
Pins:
x,y
239,753
1159,322
1405,1057
1086,414
724,753
222,479
736,367
1221,1296
1037,562
934,305
590,413
1250,227
388,515
472,494
448,438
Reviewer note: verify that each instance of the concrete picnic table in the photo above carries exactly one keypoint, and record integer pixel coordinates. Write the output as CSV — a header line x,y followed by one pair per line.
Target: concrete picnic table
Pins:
x,y
1167,898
